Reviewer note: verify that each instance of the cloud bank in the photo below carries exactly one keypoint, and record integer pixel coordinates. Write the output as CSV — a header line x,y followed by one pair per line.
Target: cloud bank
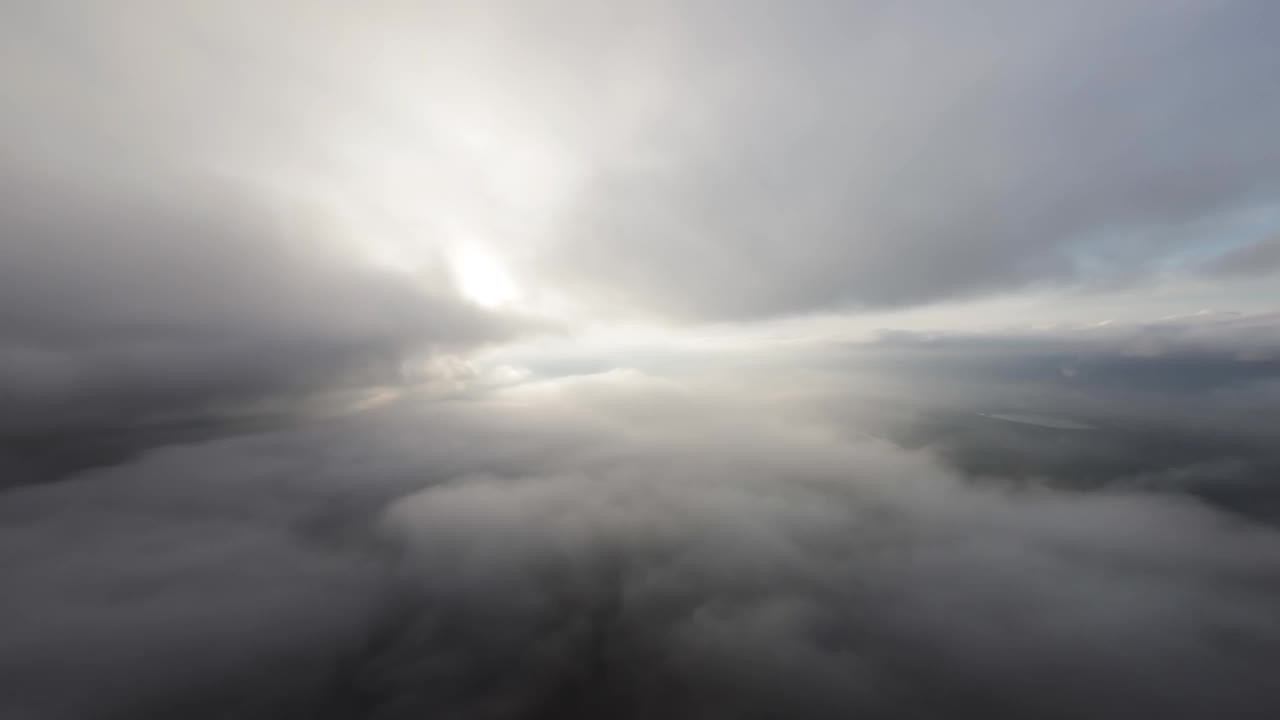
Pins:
x,y
625,546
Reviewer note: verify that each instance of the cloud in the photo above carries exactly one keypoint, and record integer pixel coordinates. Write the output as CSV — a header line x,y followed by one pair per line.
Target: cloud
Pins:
x,y
226,276
1173,359
1260,258
874,155
715,162
625,546
177,249
132,314
119,303
1187,404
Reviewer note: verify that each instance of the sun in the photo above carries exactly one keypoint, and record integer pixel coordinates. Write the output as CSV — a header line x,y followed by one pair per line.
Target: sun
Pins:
x,y
482,279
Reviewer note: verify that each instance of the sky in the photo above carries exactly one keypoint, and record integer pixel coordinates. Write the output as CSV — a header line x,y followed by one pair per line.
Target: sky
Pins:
x,y
653,358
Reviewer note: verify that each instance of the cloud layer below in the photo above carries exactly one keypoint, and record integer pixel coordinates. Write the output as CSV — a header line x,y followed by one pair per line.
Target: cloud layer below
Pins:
x,y
621,545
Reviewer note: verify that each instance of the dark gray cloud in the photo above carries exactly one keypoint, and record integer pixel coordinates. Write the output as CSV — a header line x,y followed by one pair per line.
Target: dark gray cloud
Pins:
x,y
1189,404
1185,364
120,304
131,314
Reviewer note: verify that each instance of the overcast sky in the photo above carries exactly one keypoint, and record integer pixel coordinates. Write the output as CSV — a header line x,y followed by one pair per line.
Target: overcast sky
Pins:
x,y
703,358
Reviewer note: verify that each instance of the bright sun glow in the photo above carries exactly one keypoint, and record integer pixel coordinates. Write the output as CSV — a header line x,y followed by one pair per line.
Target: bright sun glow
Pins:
x,y
482,279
